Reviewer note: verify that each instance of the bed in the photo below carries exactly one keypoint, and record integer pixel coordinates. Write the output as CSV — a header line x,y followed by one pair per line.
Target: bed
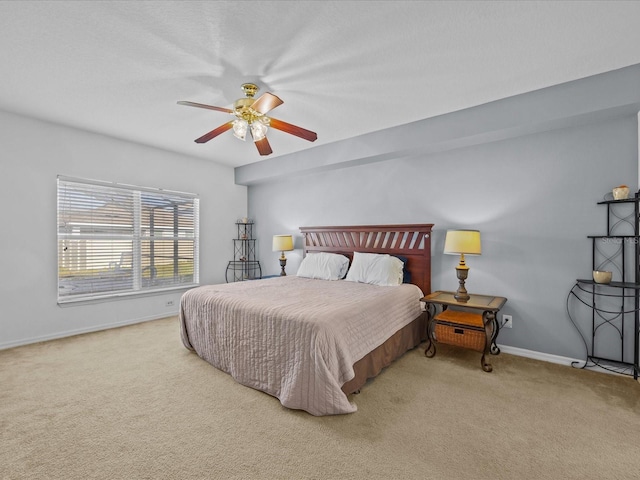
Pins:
x,y
309,341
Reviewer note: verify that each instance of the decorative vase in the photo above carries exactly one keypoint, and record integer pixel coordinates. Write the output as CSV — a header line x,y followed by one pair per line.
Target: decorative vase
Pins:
x,y
621,192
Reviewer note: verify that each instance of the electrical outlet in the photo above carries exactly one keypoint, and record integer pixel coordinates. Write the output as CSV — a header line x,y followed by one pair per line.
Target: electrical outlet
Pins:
x,y
169,303
507,321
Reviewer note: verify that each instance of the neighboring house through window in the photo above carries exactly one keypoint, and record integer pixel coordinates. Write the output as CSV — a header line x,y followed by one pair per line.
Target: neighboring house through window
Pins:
x,y
116,240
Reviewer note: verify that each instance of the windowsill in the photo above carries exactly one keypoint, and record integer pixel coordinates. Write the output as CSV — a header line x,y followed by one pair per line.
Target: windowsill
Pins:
x,y
70,302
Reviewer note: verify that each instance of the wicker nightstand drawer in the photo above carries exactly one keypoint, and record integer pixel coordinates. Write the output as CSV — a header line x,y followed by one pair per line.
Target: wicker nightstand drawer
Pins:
x,y
460,336
463,329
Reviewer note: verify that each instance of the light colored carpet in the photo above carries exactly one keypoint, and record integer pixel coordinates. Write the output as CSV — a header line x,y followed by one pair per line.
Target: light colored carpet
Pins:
x,y
133,403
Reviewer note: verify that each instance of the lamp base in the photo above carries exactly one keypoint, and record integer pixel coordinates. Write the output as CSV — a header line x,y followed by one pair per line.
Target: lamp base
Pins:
x,y
461,294
283,262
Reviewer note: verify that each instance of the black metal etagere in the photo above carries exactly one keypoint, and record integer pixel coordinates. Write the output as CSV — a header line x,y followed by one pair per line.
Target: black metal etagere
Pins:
x,y
244,265
615,306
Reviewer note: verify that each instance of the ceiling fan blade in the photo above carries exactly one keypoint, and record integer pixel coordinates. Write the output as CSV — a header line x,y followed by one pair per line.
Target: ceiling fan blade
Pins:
x,y
214,133
266,102
202,105
293,130
263,147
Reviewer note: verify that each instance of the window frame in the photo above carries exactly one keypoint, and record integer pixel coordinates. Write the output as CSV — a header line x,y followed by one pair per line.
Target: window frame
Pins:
x,y
176,232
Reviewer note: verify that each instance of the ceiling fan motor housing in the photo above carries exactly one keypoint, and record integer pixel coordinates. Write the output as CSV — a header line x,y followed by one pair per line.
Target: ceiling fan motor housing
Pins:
x,y
242,109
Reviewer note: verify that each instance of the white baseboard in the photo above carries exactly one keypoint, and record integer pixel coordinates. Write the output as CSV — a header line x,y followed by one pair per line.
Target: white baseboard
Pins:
x,y
80,331
547,357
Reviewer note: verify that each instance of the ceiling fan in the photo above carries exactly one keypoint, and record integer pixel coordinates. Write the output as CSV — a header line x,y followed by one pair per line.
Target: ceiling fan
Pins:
x,y
251,116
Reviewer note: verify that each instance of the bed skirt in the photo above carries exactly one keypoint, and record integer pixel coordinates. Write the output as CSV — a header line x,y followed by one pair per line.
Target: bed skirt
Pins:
x,y
400,342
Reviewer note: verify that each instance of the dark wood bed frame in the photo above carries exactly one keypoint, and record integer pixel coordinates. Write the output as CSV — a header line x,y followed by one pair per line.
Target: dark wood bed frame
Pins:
x,y
412,241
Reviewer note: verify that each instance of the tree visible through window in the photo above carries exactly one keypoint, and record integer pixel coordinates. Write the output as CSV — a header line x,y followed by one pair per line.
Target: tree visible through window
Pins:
x,y
117,239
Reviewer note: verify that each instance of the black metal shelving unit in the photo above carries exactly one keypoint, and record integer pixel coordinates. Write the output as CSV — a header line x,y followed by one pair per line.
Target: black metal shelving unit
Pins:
x,y
615,307
244,265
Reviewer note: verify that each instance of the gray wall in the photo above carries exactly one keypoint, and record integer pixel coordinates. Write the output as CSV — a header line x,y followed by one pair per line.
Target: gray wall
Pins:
x,y
532,195
33,154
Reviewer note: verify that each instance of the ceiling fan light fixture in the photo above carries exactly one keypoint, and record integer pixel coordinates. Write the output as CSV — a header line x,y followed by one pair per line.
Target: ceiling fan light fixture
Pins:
x,y
240,128
258,130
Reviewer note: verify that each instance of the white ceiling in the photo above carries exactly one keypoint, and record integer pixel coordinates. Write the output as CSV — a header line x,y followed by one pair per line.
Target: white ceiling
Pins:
x,y
342,68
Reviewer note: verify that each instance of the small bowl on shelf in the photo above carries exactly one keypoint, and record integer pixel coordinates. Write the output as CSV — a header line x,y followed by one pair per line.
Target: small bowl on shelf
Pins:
x,y
601,276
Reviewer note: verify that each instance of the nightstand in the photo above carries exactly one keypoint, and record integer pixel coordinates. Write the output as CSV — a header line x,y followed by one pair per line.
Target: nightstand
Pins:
x,y
472,324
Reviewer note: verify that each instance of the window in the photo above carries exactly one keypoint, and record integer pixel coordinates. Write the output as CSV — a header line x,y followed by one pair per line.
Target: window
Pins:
x,y
118,240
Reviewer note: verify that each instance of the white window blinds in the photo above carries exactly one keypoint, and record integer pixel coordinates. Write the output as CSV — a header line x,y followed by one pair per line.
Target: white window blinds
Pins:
x,y
118,240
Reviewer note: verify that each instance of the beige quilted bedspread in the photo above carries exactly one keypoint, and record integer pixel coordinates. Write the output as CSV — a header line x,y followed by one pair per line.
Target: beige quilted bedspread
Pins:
x,y
294,338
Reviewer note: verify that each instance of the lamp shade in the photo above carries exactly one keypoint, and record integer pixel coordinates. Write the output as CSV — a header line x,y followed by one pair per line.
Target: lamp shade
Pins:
x,y
462,241
282,243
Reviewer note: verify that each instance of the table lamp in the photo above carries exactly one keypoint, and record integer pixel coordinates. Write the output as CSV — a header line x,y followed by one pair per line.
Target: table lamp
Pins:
x,y
462,242
282,243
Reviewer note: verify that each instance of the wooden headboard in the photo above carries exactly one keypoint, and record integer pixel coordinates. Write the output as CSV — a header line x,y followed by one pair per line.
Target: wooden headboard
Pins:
x,y
410,241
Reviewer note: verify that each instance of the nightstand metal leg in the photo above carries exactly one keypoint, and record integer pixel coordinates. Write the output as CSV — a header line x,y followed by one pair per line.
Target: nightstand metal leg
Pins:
x,y
430,349
485,366
489,329
495,329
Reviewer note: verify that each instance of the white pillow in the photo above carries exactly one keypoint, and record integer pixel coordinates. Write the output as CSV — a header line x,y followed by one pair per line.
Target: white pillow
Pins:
x,y
375,268
323,266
